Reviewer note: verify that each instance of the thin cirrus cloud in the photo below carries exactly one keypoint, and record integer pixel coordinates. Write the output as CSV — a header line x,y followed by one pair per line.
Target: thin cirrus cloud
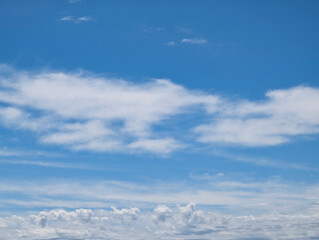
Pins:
x,y
83,111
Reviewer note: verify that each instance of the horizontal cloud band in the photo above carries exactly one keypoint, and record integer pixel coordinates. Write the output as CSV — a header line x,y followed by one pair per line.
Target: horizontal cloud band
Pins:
x,y
87,112
161,223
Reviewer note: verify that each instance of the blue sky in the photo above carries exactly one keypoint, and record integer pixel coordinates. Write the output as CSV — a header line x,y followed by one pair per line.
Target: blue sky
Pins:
x,y
145,103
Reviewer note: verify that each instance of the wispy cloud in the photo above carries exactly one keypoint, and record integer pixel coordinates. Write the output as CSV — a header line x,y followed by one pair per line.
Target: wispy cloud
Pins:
x,y
74,1
171,43
66,18
249,195
76,20
51,164
195,41
152,29
258,161
7,153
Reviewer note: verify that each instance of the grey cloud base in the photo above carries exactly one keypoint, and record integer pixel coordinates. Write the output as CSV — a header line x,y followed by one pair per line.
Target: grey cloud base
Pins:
x,y
181,222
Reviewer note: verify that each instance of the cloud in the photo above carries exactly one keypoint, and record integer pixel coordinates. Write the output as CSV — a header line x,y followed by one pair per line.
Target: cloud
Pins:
x,y
258,161
66,18
260,210
51,164
87,112
76,20
8,153
286,113
171,43
162,222
83,111
147,29
197,41
74,1
238,196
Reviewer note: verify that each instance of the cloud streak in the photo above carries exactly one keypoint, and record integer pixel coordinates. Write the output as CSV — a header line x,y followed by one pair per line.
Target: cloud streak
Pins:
x,y
194,41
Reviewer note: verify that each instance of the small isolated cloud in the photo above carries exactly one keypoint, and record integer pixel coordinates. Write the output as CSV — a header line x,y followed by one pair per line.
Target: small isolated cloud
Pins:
x,y
194,41
67,19
75,20
153,29
74,1
171,43
83,19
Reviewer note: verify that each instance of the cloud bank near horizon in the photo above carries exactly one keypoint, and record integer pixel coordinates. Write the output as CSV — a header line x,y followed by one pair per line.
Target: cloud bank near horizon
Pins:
x,y
163,222
83,111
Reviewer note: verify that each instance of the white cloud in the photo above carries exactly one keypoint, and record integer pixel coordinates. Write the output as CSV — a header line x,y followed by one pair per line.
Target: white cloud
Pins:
x,y
171,43
75,20
267,209
180,222
285,114
257,197
51,164
147,29
87,112
198,41
67,18
83,19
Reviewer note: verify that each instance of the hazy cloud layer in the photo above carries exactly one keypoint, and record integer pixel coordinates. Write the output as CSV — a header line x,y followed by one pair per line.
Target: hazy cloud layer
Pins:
x,y
245,196
83,111
181,222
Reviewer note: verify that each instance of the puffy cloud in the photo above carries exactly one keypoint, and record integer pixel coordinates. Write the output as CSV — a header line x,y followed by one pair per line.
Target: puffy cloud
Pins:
x,y
181,222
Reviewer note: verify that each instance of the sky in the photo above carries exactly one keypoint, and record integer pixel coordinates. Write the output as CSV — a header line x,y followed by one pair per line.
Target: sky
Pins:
x,y
159,119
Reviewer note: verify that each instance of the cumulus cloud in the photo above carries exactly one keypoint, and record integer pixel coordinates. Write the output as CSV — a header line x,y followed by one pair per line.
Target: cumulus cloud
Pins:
x,y
180,222
83,111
